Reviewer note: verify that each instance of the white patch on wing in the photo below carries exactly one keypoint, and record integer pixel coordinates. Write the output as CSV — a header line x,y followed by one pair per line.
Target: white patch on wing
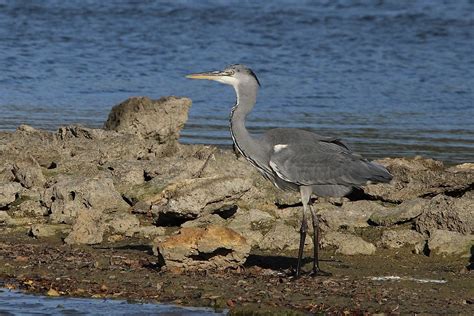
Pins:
x,y
277,171
279,147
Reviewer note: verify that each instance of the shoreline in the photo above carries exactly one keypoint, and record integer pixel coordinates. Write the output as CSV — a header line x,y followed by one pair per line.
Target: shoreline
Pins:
x,y
129,212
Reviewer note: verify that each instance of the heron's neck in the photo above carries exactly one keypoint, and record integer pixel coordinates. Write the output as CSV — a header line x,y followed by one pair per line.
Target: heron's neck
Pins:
x,y
244,105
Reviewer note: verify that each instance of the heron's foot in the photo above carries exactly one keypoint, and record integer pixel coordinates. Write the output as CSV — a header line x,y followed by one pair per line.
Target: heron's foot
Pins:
x,y
315,272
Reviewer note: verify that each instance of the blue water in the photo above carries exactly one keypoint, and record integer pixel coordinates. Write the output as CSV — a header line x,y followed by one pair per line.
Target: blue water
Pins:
x,y
392,78
15,303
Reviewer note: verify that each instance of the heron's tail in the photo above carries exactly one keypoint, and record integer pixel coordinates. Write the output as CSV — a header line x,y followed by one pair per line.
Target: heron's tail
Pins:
x,y
378,173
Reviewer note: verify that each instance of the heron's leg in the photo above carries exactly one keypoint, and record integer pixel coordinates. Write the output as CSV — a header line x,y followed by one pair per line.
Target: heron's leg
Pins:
x,y
305,196
316,237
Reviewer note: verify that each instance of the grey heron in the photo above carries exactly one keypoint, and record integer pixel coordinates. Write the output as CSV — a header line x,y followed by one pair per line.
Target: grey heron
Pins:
x,y
294,159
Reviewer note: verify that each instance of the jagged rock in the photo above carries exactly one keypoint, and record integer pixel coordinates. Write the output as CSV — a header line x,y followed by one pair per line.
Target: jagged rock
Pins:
x,y
189,199
32,207
28,173
69,195
402,213
201,248
252,224
204,221
48,230
419,177
349,216
9,192
347,244
282,237
443,242
160,119
448,213
5,218
122,223
88,228
401,237
146,232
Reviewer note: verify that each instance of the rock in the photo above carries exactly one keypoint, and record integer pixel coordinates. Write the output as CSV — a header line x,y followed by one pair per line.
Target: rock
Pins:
x,y
402,213
88,228
160,119
26,128
282,237
5,218
122,223
443,242
69,195
252,224
447,213
32,207
349,216
347,244
419,177
28,173
189,199
393,239
204,221
48,230
8,193
146,232
202,248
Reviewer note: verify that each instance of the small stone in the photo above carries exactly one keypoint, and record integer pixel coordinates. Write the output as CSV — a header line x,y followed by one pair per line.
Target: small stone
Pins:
x,y
53,293
402,213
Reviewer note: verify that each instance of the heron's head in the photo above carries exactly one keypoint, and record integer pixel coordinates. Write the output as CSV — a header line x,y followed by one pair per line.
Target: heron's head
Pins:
x,y
233,75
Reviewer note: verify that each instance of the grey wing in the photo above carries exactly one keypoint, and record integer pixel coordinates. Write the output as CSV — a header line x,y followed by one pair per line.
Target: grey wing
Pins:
x,y
324,163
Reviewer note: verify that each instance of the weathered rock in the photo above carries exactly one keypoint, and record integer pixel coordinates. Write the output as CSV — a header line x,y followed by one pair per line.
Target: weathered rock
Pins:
x,y
205,220
448,213
347,244
252,224
122,223
189,199
160,119
212,247
146,232
349,216
402,213
32,207
9,192
443,242
419,177
401,237
28,173
5,218
88,228
48,230
282,237
69,195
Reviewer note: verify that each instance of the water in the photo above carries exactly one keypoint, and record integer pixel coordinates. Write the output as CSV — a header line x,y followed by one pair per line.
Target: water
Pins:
x,y
17,303
392,78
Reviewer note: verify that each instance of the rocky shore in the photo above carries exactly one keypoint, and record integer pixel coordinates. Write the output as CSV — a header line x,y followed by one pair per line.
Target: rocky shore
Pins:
x,y
193,216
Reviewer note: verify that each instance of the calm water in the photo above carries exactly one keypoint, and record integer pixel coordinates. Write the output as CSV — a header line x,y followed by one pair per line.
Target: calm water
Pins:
x,y
392,78
17,303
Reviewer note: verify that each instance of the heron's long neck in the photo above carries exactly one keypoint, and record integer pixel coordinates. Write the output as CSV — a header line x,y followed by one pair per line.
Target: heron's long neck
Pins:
x,y
241,136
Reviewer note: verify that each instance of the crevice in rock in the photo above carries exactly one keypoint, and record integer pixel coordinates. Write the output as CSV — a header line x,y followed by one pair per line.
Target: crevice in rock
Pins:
x,y
226,211
129,201
207,256
282,206
173,219
146,176
457,193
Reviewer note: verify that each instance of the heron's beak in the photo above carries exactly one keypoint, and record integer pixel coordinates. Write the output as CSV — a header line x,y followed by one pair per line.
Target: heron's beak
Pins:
x,y
211,75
